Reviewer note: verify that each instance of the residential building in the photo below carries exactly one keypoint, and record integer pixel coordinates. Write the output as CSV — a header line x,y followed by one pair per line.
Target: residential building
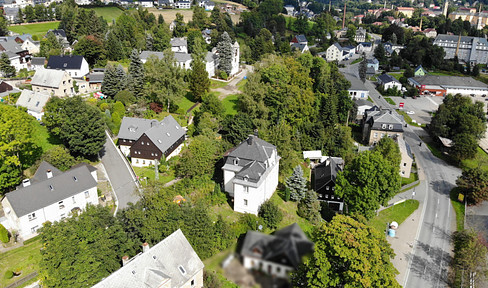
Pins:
x,y
51,195
11,13
33,47
6,89
407,11
357,90
390,48
182,59
373,63
334,52
18,56
37,63
75,65
251,174
370,72
171,263
276,255
34,102
406,157
53,82
146,3
95,80
360,35
362,105
379,123
290,10
430,32
473,50
443,85
364,47
207,5
389,81
235,58
299,47
144,55
211,63
61,36
420,71
146,140
476,19
183,4
206,34
300,39
179,45
323,182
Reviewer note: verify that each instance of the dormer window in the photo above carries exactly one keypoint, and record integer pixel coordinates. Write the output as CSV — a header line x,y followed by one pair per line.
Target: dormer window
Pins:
x,y
383,126
132,129
65,65
236,161
390,127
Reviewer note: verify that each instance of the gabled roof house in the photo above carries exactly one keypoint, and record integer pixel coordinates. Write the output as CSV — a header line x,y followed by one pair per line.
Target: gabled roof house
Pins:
x,y
34,102
323,181
53,82
147,140
172,263
379,123
51,195
277,254
251,173
75,65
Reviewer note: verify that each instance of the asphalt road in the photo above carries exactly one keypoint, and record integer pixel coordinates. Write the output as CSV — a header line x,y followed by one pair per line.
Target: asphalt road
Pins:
x,y
429,262
119,175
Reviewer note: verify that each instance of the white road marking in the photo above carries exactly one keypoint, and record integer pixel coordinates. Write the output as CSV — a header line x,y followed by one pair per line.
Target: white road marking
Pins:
x,y
428,98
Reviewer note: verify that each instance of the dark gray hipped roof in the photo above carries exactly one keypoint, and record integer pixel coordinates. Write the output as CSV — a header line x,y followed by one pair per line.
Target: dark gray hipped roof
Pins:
x,y
385,78
326,172
165,261
70,62
58,32
287,246
376,117
455,38
39,194
301,38
356,83
95,77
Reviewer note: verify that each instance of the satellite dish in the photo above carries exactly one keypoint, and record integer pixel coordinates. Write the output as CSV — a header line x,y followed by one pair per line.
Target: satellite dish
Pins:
x,y
260,227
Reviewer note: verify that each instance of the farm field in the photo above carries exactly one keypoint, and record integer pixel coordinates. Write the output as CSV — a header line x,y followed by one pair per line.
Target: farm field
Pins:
x,y
108,13
39,29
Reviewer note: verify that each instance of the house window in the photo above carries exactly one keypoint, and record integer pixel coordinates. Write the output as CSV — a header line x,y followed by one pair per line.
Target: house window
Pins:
x,y
147,143
73,198
32,216
137,161
383,126
34,229
390,127
245,202
61,205
404,164
142,142
278,269
403,172
375,135
382,135
87,194
332,196
326,196
327,188
192,283
143,162
246,189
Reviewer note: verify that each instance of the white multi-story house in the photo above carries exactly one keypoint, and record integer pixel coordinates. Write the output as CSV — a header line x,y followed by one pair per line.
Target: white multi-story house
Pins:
x,y
32,46
389,81
182,4
51,195
179,45
171,263
146,140
251,174
276,255
334,52
75,65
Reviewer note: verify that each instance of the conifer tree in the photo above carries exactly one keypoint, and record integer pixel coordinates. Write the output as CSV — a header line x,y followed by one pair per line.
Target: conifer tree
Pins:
x,y
297,184
309,207
136,74
362,69
224,47
110,82
7,69
199,82
113,46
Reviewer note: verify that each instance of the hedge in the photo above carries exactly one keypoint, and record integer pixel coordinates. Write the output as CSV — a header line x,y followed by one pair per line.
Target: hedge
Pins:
x,y
3,234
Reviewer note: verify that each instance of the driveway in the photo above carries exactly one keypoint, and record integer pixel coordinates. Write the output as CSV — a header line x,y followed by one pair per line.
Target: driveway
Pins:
x,y
231,88
423,106
119,174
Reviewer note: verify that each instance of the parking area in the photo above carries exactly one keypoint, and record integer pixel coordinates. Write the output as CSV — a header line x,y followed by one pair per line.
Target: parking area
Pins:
x,y
422,107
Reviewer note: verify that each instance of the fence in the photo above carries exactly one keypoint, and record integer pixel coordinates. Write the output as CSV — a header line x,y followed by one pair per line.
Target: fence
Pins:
x,y
23,280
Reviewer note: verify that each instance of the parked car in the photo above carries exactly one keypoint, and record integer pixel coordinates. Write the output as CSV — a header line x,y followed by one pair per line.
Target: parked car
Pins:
x,y
410,112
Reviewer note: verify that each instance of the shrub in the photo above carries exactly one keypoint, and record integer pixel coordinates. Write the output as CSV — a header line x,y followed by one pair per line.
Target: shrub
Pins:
x,y
271,214
4,236
125,96
309,207
9,274
104,106
119,108
223,75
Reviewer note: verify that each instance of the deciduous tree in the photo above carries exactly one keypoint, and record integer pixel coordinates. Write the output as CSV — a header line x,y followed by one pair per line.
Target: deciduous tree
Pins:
x,y
473,183
271,214
339,258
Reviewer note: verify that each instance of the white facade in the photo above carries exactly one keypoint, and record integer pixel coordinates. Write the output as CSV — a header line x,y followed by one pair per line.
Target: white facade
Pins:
x,y
27,225
274,269
249,195
210,68
15,61
30,46
235,59
358,94
82,71
139,162
393,84
183,5
333,53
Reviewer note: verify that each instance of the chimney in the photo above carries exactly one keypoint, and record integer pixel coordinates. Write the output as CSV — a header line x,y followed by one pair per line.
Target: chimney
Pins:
x,y
250,139
49,173
145,247
125,260
25,182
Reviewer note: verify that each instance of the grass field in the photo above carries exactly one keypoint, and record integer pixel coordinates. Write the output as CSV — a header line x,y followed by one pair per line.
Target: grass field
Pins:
x,y
397,213
214,84
149,173
230,104
186,103
388,99
408,119
42,137
458,208
39,29
108,13
481,160
24,259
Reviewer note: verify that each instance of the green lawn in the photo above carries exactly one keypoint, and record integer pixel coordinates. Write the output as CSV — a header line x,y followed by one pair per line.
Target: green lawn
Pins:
x,y
108,13
458,208
214,84
241,84
408,119
24,259
43,138
396,75
150,174
447,73
186,103
230,104
39,29
388,99
356,61
413,177
481,160
397,213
